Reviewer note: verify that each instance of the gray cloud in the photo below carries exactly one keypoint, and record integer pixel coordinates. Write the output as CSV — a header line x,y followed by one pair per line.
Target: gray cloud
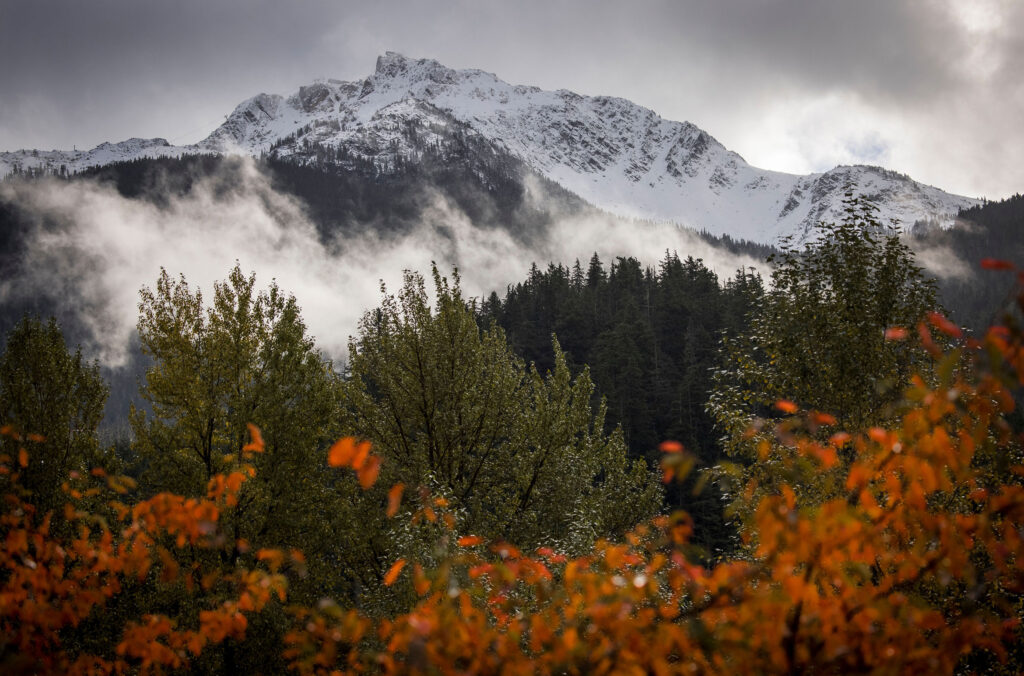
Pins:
x,y
928,87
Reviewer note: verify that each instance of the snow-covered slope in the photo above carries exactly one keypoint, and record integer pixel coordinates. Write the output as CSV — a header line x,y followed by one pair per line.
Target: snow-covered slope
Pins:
x,y
617,155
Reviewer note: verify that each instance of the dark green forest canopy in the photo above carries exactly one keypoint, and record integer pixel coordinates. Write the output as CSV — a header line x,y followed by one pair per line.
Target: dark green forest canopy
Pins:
x,y
991,230
650,337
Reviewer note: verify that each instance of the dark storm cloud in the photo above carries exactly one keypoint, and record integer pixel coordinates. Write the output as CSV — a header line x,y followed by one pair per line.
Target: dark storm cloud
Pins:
x,y
884,48
791,84
73,67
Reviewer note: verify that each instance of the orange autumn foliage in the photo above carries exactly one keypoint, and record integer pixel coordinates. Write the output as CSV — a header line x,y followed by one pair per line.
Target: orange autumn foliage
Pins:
x,y
916,567
53,581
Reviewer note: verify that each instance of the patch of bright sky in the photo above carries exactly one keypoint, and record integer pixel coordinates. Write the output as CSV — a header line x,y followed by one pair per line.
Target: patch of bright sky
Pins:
x,y
983,20
803,134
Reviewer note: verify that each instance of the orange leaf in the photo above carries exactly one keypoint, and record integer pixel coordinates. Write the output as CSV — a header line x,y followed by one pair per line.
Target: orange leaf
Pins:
x,y
895,333
393,572
38,438
570,638
786,406
395,499
671,447
839,439
23,457
470,540
368,471
273,557
362,453
256,445
341,452
878,435
944,325
420,581
824,418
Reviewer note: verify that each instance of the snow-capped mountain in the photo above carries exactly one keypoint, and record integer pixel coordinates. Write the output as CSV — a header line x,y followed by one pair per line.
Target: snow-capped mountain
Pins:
x,y
618,156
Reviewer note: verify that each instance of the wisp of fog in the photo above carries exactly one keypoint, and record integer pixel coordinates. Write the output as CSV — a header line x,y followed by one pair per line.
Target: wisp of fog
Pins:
x,y
99,248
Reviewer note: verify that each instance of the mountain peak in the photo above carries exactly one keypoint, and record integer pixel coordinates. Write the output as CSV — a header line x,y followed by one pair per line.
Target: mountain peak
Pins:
x,y
390,63
619,156
394,66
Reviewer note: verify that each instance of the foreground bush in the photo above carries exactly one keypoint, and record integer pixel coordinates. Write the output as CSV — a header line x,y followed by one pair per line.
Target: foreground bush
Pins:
x,y
918,567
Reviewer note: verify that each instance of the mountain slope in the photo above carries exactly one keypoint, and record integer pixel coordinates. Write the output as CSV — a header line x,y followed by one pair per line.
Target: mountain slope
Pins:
x,y
618,156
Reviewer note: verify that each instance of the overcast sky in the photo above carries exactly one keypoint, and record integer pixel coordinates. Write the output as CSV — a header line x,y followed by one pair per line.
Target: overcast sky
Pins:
x,y
933,88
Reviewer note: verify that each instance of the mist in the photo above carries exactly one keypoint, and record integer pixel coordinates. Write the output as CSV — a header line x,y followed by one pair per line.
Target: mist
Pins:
x,y
93,249
942,262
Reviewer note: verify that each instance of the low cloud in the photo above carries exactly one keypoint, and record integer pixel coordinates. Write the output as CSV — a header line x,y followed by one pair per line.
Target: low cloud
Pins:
x,y
97,249
943,262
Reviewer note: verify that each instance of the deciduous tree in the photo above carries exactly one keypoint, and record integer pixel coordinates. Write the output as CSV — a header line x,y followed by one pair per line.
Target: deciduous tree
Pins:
x,y
47,391
819,338
521,456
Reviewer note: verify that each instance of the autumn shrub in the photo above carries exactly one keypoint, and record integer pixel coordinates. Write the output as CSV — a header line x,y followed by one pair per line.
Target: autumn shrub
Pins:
x,y
51,583
915,565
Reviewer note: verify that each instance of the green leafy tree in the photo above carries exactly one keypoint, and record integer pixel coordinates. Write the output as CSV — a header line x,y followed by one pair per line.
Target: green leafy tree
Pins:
x,y
818,338
244,359
48,391
519,456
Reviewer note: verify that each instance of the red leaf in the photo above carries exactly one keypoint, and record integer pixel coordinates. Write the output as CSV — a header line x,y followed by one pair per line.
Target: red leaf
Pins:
x,y
786,406
996,264
393,572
